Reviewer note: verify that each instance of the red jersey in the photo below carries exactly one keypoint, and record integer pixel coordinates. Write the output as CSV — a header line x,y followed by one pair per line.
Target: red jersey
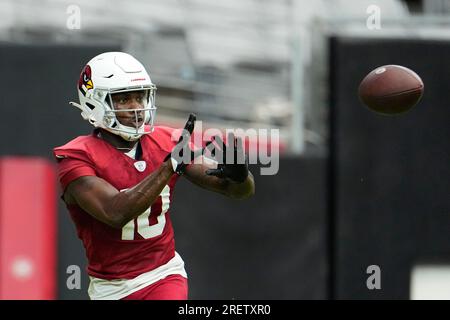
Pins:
x,y
147,241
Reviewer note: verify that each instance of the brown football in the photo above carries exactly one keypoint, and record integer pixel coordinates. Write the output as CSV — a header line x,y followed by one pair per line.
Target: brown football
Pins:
x,y
391,89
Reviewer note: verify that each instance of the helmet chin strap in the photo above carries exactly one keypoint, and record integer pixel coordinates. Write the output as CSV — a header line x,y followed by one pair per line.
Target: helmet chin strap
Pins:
x,y
125,132
130,137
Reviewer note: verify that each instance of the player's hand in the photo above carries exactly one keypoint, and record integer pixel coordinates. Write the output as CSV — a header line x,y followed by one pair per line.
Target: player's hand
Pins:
x,y
182,155
235,169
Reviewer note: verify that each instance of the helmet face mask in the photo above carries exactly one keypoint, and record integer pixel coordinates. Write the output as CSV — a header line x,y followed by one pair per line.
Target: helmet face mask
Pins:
x,y
113,73
144,115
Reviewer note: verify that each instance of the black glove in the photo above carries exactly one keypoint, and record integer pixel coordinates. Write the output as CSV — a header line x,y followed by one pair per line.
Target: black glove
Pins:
x,y
235,169
182,155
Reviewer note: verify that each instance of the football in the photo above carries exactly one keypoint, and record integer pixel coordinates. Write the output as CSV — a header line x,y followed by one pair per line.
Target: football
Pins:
x,y
391,90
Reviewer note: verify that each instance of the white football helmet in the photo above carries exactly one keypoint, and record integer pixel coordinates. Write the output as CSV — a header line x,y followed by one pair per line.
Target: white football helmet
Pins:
x,y
109,73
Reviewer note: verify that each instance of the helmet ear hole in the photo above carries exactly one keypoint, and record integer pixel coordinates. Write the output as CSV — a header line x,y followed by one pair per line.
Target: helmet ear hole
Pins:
x,y
108,102
90,105
109,120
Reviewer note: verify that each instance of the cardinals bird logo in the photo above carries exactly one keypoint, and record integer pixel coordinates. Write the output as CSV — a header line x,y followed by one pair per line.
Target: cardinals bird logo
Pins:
x,y
85,82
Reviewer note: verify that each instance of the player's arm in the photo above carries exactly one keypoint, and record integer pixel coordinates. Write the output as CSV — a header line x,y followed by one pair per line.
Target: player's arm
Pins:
x,y
232,179
111,206
196,173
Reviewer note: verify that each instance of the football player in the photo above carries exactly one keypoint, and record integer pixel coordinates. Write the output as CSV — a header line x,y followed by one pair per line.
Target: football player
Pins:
x,y
118,182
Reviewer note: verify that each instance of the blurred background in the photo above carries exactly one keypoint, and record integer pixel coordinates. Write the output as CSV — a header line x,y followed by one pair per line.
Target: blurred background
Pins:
x,y
354,190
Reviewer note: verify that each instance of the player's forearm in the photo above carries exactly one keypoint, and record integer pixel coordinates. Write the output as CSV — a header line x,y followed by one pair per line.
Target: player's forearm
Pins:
x,y
132,202
196,174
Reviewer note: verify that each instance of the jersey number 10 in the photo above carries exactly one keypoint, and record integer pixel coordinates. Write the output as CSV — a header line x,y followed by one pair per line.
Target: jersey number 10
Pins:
x,y
144,228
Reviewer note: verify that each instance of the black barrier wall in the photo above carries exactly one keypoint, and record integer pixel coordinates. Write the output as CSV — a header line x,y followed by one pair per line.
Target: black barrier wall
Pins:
x,y
389,175
272,246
